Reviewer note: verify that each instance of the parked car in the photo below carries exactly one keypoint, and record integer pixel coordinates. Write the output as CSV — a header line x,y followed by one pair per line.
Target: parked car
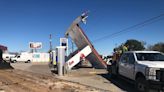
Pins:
x,y
7,56
23,57
31,57
145,68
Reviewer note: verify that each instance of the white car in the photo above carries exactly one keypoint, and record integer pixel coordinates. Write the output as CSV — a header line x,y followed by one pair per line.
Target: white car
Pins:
x,y
27,58
7,56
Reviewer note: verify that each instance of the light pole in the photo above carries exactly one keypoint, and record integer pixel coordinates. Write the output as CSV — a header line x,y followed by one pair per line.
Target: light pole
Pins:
x,y
50,39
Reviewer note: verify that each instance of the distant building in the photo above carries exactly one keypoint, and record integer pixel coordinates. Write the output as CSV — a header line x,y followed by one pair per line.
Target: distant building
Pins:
x,y
3,48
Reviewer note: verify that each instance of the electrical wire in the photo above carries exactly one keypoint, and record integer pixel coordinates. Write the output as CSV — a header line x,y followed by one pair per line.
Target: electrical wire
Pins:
x,y
137,26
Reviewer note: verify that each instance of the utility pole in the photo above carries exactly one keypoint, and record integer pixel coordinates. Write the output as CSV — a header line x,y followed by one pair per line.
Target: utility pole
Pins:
x,y
50,38
50,51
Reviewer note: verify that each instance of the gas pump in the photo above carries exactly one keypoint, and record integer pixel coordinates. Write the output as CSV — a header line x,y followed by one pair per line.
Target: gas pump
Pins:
x,y
61,53
57,57
54,59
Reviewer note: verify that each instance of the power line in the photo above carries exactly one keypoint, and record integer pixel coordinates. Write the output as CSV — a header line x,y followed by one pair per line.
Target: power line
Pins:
x,y
139,25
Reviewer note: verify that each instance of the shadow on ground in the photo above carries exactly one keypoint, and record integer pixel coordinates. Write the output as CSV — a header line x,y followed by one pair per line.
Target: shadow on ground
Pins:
x,y
5,65
120,82
74,68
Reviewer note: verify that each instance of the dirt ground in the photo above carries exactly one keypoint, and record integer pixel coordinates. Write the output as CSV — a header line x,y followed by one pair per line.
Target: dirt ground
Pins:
x,y
22,81
37,77
90,77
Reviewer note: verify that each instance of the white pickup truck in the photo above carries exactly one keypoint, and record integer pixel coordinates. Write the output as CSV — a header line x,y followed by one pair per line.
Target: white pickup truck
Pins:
x,y
145,68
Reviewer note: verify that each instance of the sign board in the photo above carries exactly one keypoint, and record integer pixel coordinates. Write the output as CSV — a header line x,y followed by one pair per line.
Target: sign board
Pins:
x,y
76,58
64,42
35,45
36,55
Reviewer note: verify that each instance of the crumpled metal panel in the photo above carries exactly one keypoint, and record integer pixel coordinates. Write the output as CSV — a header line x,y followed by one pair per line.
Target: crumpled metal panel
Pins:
x,y
81,41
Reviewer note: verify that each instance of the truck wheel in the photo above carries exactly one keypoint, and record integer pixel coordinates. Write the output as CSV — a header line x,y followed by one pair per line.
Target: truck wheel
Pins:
x,y
28,61
14,61
141,85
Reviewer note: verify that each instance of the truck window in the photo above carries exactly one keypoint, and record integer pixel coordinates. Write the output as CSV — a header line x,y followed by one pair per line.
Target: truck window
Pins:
x,y
128,58
150,56
124,58
131,59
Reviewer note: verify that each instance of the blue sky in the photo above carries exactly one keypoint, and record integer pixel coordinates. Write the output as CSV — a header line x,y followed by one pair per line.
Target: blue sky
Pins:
x,y
22,21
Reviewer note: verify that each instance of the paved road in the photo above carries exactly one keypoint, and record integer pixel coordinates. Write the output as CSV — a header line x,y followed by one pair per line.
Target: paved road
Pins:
x,y
87,76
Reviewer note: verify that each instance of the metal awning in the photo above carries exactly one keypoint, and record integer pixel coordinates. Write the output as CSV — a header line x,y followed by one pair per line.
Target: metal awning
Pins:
x,y
81,40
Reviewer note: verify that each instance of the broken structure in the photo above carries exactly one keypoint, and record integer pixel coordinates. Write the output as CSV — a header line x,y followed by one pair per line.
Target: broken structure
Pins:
x,y
81,40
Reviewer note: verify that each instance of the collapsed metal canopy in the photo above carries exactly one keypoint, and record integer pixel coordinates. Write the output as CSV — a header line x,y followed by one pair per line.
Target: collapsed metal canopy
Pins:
x,y
81,41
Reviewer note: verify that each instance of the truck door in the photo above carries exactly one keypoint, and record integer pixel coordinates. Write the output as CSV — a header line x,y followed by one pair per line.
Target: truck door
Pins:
x,y
122,65
18,58
128,66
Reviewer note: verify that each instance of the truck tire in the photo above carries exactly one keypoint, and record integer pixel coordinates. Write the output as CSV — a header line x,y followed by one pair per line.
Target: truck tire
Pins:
x,y
28,61
14,61
141,85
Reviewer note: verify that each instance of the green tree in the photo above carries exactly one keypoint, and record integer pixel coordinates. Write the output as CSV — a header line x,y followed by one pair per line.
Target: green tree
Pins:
x,y
133,44
158,47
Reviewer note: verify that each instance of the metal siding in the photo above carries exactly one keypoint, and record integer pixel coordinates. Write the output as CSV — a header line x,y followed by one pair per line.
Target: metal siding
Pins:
x,y
81,40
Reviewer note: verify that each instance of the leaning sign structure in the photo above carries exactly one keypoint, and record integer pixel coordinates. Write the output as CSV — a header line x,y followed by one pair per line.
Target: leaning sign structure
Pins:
x,y
81,40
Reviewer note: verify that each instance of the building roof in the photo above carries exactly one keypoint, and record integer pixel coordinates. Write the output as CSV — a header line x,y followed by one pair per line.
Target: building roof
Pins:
x,y
3,48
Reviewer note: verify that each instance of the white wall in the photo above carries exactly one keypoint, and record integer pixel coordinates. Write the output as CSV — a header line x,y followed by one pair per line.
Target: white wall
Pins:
x,y
40,57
